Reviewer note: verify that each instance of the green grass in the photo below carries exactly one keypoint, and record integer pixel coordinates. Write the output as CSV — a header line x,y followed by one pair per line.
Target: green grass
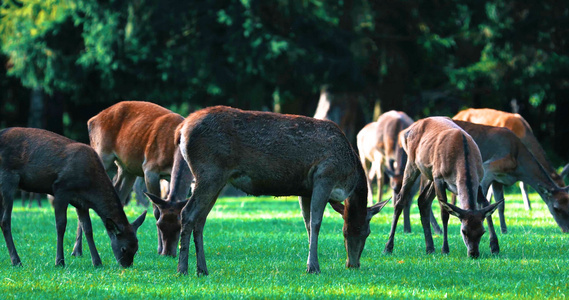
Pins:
x,y
257,248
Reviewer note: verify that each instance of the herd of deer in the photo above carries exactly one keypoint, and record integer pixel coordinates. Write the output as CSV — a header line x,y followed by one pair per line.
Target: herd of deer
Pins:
x,y
265,153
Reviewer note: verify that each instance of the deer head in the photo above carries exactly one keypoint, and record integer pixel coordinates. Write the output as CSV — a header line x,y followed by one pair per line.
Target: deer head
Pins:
x,y
169,222
123,239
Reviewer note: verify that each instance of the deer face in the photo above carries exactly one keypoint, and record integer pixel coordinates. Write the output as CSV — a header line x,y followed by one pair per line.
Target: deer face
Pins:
x,y
472,224
559,207
123,240
169,223
356,230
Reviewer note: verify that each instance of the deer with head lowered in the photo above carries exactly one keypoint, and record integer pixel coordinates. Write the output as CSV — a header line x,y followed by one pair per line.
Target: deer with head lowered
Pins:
x,y
265,153
138,137
378,143
507,160
520,127
41,161
447,158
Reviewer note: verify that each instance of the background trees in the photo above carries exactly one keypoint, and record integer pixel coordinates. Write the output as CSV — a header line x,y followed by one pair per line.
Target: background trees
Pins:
x,y
423,57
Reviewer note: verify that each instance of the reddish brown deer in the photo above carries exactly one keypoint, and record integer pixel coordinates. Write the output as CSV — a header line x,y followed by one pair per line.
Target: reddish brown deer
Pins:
x,y
520,127
265,153
378,143
447,158
41,161
506,160
138,137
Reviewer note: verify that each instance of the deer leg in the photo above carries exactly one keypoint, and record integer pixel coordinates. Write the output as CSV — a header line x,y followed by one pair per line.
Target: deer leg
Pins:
x,y
123,184
60,207
194,216
425,202
85,221
441,195
524,190
407,217
379,177
305,208
6,203
320,196
78,247
499,196
498,192
404,196
152,181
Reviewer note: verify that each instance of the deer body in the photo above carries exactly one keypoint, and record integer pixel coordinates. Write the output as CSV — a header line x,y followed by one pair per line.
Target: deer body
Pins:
x,y
40,161
138,137
520,127
447,158
266,153
506,161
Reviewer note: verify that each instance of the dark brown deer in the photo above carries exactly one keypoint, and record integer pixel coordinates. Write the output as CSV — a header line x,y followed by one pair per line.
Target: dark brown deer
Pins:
x,y
41,161
378,143
520,127
138,137
506,160
447,158
263,153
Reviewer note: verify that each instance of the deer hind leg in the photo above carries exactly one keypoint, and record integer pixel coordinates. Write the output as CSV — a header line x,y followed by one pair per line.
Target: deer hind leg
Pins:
x,y
8,185
305,208
379,164
194,216
404,196
441,195
320,197
425,202
85,222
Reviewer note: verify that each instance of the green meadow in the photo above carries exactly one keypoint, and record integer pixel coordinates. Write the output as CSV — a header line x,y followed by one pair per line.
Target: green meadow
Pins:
x,y
256,247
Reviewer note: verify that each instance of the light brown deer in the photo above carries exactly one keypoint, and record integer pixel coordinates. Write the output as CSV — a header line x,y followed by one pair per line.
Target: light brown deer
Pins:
x,y
447,158
138,137
378,143
265,153
41,161
520,127
506,160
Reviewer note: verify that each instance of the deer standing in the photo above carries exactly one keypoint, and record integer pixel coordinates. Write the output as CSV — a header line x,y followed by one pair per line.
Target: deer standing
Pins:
x,y
520,127
41,161
447,158
265,153
378,143
138,137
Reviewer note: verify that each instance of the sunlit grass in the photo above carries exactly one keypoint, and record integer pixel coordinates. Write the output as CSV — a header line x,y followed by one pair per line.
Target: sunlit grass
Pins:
x,y
257,248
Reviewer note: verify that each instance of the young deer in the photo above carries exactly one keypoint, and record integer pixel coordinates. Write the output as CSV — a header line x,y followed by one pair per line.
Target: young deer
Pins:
x,y
138,137
40,161
378,142
447,158
265,153
520,127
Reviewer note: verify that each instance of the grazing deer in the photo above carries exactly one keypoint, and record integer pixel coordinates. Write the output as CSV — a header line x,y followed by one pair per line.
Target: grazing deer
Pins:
x,y
517,124
41,161
506,160
447,158
263,153
378,143
138,137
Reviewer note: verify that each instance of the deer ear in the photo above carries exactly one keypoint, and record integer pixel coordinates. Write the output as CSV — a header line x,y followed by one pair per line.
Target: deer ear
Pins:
x,y
113,227
376,208
490,209
156,200
139,220
451,209
337,206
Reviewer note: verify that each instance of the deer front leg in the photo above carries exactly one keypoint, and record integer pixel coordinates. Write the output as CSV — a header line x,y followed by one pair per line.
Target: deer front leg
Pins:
x,y
499,196
441,195
6,203
60,209
498,190
320,196
152,181
425,202
85,221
